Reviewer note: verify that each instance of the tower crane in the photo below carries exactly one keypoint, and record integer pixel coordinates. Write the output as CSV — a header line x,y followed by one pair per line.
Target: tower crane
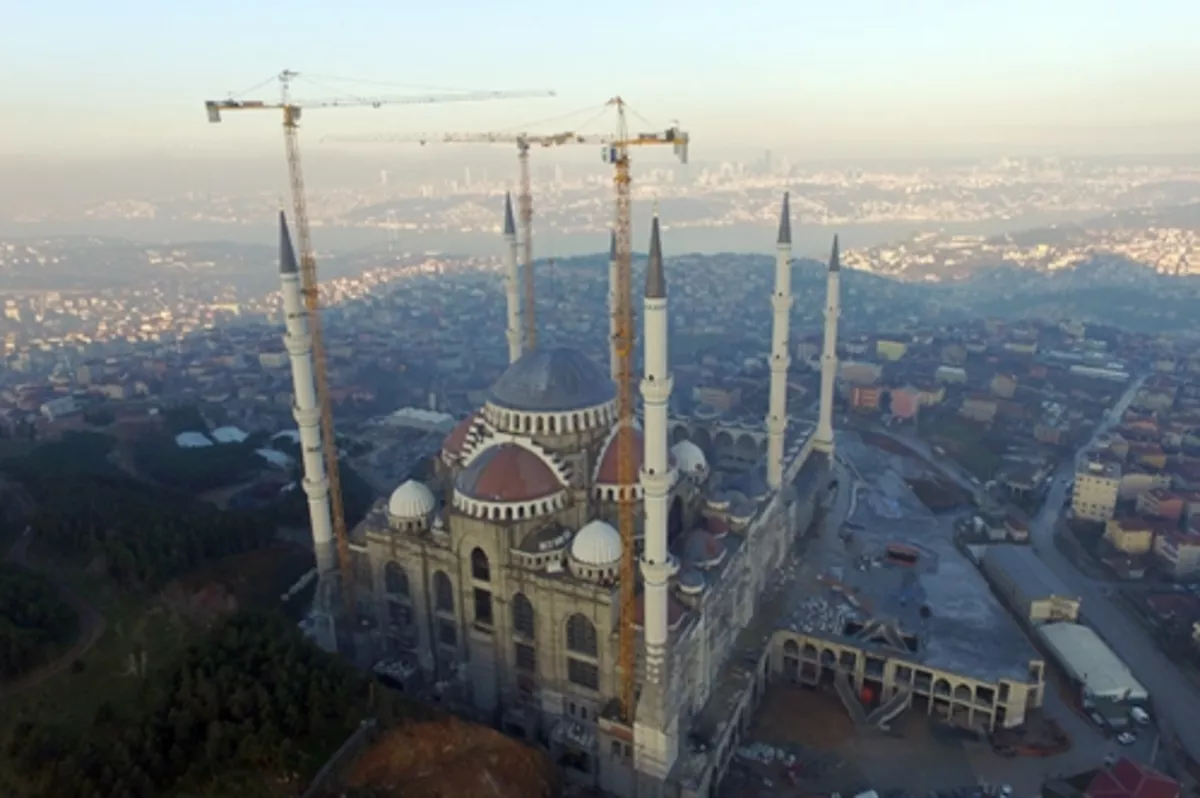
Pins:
x,y
617,153
524,142
290,110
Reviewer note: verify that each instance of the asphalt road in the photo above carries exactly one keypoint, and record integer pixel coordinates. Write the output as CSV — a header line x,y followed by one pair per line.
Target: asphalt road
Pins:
x,y
1176,699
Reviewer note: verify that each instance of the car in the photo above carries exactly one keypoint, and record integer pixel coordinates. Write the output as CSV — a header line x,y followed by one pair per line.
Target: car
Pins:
x,y
1127,738
1140,716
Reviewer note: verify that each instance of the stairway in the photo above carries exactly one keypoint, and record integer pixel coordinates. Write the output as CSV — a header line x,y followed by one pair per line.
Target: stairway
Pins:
x,y
845,691
890,709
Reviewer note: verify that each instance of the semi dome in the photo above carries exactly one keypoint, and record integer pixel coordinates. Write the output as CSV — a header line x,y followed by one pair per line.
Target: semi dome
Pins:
x,y
411,500
690,457
452,446
597,544
552,381
507,473
608,469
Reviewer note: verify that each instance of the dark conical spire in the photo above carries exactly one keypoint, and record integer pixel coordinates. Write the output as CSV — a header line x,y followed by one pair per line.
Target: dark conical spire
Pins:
x,y
785,222
612,247
835,262
510,224
656,280
287,253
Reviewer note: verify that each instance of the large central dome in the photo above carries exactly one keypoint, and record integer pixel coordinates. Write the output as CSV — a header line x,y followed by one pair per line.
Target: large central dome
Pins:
x,y
552,381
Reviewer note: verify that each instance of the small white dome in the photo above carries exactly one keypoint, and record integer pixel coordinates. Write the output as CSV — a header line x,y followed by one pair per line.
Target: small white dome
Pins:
x,y
690,457
411,500
597,544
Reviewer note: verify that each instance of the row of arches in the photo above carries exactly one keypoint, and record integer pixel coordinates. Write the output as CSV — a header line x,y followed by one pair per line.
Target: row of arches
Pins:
x,y
745,445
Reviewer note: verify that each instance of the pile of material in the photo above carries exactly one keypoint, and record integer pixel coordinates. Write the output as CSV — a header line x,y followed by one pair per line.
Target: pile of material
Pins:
x,y
449,758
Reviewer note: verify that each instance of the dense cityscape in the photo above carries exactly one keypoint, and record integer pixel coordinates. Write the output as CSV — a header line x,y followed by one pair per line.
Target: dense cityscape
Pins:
x,y
821,433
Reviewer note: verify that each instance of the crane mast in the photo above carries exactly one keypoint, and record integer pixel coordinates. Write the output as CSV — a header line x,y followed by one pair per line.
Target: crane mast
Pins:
x,y
310,286
524,142
627,659
310,289
617,153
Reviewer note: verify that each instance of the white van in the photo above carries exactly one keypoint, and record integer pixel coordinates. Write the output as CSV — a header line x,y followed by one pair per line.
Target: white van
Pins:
x,y
1140,716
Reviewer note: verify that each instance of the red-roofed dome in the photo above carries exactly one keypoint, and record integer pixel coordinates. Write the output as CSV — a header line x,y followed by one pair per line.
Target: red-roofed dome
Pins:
x,y
453,444
607,474
507,473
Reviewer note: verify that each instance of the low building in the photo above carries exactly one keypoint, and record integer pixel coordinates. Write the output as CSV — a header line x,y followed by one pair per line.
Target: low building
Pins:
x,y
876,637
865,398
950,374
1178,552
1097,486
906,402
1161,503
890,349
979,408
1029,588
1131,536
1090,663
1004,386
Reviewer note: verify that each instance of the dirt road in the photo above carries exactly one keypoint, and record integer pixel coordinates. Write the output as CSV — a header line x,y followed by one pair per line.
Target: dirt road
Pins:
x,y
91,626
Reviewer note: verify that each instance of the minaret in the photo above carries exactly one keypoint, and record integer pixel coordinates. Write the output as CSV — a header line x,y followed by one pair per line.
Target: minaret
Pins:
x,y
613,365
512,282
781,304
307,414
823,439
656,748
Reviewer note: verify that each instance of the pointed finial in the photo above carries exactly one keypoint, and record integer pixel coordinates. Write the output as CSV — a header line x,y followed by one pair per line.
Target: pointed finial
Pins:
x,y
785,222
656,279
835,263
612,246
510,223
287,253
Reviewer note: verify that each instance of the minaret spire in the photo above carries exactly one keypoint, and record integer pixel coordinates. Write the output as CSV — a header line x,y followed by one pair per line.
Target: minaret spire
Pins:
x,y
307,413
823,438
512,282
781,305
656,478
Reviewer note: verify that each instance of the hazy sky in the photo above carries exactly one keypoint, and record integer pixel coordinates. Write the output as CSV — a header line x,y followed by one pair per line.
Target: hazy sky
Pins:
x,y
838,77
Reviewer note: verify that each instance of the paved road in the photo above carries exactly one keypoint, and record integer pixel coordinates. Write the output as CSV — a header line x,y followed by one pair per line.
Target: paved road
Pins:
x,y
1177,701
91,626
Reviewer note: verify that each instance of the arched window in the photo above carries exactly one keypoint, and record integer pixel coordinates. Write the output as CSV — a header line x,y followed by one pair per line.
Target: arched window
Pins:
x,y
522,610
443,593
581,636
479,564
395,580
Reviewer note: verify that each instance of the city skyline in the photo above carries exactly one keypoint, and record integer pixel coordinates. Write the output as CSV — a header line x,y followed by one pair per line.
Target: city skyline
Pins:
x,y
862,81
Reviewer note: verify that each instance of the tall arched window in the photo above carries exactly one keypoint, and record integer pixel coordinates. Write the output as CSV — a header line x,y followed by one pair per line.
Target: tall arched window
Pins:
x,y
395,580
522,611
581,636
479,566
581,642
443,593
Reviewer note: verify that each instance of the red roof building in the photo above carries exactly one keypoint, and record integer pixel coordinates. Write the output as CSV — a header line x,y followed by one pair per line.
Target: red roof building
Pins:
x,y
1128,779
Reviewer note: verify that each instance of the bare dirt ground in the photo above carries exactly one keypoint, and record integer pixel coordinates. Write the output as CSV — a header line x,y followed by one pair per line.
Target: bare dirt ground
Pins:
x,y
450,757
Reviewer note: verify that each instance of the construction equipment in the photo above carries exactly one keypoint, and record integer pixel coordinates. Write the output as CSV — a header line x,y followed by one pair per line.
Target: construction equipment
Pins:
x,y
524,142
290,109
617,153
